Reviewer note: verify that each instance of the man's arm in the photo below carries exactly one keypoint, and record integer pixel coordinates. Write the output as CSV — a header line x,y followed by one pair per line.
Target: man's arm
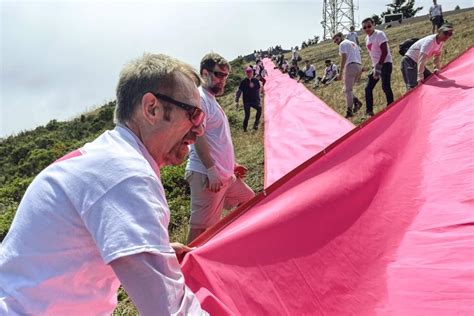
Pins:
x,y
156,285
343,63
202,148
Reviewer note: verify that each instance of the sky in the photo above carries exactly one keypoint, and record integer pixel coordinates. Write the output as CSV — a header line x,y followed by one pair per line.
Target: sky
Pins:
x,y
63,58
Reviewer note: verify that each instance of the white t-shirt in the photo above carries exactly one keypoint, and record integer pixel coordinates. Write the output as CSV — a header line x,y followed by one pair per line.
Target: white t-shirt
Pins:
x,y
217,131
426,45
352,36
373,43
435,10
351,50
330,71
310,71
76,217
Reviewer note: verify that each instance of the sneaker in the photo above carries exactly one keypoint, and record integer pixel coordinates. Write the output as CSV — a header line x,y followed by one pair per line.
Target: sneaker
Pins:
x,y
349,113
369,113
357,105
255,127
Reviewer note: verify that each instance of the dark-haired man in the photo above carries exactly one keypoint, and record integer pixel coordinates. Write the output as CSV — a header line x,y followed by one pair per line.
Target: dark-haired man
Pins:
x,y
250,89
414,62
98,217
377,45
216,181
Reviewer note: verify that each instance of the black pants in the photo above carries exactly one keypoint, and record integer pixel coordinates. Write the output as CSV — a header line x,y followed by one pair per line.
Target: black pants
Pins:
x,y
247,115
386,86
305,77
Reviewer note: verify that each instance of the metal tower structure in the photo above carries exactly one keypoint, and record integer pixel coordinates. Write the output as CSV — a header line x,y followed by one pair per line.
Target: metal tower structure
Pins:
x,y
338,16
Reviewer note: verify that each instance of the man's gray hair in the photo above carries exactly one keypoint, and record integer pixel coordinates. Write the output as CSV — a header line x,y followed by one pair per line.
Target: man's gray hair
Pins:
x,y
150,73
210,60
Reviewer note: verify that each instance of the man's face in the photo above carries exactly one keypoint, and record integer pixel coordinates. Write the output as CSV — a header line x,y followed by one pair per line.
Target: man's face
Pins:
x,y
249,74
337,40
445,35
368,27
215,79
168,144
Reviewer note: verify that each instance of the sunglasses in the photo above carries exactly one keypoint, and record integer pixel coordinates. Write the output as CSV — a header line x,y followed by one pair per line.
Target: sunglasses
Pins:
x,y
219,74
196,115
448,33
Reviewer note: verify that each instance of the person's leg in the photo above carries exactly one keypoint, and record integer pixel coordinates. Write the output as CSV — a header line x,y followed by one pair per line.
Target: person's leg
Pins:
x,y
405,69
246,116
369,88
206,206
386,82
237,194
426,73
349,80
257,116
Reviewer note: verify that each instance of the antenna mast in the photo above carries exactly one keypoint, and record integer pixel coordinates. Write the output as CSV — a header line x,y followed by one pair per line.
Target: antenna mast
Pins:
x,y
338,16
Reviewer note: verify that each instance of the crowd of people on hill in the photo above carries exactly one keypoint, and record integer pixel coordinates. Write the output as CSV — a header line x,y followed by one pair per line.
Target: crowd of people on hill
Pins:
x,y
416,54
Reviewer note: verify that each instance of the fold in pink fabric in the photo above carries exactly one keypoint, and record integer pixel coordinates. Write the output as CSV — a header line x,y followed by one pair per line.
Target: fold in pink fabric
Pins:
x,y
382,222
298,125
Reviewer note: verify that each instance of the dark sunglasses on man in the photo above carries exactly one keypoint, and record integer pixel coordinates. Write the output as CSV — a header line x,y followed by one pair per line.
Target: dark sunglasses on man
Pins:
x,y
196,115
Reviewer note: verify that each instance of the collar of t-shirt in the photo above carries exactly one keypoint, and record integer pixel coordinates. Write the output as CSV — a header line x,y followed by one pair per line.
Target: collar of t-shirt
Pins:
x,y
129,136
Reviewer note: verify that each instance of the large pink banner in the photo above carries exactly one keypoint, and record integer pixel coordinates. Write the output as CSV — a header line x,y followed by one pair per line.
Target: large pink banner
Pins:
x,y
382,222
298,125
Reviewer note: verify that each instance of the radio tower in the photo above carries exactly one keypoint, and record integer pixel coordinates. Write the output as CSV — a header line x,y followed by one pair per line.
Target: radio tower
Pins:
x,y
338,16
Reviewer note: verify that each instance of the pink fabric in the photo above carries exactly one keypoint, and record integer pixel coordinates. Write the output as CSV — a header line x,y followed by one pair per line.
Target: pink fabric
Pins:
x,y
382,223
298,124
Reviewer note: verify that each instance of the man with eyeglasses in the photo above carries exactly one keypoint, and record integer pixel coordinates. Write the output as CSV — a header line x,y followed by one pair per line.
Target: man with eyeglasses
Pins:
x,y
98,217
215,180
377,45
350,71
414,62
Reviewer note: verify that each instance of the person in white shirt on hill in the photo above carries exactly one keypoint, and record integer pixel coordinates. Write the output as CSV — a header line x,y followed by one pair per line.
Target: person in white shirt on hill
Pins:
x,y
436,16
98,217
414,62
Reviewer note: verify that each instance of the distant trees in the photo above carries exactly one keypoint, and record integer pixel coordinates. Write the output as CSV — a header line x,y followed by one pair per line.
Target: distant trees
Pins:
x,y
405,7
457,8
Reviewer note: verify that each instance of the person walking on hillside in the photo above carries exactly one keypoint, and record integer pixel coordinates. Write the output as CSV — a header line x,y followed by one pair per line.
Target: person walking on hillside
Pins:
x,y
377,45
250,89
98,217
352,36
215,180
295,55
436,16
351,69
414,62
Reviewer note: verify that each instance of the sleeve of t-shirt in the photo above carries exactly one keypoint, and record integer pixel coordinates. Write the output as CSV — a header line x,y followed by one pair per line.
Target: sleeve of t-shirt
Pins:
x,y
382,38
129,218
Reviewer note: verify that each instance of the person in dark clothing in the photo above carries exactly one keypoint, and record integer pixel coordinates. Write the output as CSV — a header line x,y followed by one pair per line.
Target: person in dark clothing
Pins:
x,y
250,89
294,69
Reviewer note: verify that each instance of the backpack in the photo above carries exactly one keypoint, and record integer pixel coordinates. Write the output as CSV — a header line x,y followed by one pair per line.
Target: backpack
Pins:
x,y
406,44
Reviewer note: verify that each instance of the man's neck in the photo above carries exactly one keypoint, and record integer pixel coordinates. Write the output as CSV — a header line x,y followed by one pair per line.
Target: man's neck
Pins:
x,y
208,91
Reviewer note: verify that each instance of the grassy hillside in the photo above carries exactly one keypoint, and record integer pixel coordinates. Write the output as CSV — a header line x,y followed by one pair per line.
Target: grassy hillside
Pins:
x,y
25,155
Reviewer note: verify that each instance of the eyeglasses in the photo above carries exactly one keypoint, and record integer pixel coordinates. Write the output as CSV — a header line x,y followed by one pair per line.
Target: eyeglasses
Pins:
x,y
448,33
219,74
366,27
196,115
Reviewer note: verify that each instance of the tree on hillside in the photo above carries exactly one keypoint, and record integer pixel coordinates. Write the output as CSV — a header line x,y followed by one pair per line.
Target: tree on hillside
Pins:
x,y
404,7
457,8
377,19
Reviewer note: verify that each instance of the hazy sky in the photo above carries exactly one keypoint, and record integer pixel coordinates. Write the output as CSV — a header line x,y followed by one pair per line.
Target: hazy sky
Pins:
x,y
62,58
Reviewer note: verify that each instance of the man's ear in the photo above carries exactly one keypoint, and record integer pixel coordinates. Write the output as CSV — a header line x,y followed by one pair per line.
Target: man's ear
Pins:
x,y
150,108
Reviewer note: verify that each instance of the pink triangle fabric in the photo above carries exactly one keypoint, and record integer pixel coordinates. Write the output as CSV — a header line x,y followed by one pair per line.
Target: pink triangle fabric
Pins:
x,y
382,222
298,124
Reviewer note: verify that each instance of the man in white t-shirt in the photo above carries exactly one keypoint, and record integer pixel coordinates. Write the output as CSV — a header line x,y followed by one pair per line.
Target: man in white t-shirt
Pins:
x,y
330,73
215,180
436,16
377,45
352,36
308,73
350,71
98,217
414,62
